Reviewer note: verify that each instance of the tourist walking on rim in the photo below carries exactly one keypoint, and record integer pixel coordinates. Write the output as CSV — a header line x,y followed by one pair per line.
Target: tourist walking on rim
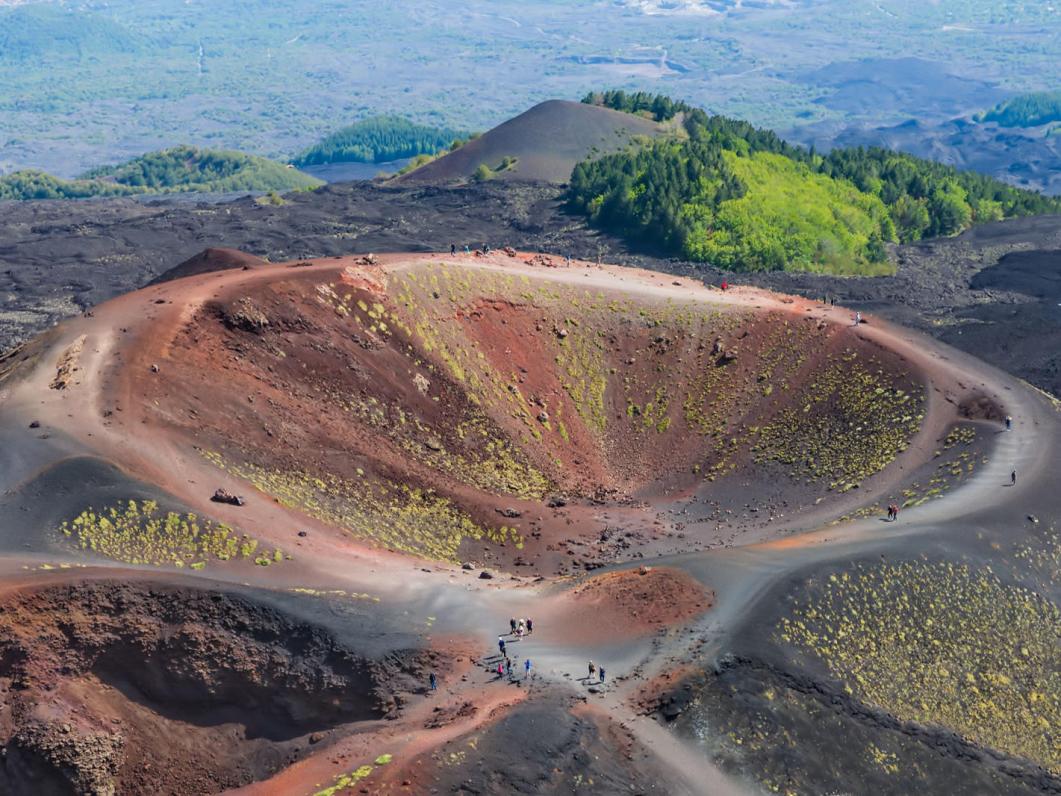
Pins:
x,y
530,626
512,626
526,667
452,249
501,644
1013,478
1009,423
592,671
434,682
602,674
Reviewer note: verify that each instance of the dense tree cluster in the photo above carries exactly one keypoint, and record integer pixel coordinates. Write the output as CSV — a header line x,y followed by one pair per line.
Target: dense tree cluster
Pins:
x,y
1026,110
181,169
379,140
725,192
660,107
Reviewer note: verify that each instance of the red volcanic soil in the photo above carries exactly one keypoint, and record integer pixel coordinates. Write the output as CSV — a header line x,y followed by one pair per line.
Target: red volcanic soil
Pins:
x,y
146,688
496,412
627,604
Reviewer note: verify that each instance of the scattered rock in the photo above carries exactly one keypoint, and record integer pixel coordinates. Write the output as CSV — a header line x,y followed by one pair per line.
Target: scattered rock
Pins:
x,y
303,533
154,368
1033,519
484,575
224,496
511,513
35,424
467,566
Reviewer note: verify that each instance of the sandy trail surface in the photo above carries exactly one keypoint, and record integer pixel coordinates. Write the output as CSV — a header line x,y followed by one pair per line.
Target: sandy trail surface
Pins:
x,y
97,415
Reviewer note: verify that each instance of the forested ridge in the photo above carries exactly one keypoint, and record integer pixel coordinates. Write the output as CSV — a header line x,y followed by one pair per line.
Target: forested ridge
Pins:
x,y
1026,110
378,140
180,169
725,192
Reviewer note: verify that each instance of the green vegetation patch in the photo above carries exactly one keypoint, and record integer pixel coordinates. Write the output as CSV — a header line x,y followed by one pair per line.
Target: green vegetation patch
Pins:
x,y
140,533
380,139
395,516
720,190
793,218
181,169
643,103
1026,110
940,643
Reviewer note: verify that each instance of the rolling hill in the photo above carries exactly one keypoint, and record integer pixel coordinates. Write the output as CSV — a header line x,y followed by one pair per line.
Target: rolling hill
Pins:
x,y
543,144
182,169
742,198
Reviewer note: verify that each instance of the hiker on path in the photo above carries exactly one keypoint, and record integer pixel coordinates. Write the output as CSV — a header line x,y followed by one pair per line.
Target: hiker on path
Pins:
x,y
858,319
1013,478
1009,423
526,667
508,667
891,512
501,644
467,249
592,671
521,626
895,511
530,626
602,674
500,669
434,682
512,626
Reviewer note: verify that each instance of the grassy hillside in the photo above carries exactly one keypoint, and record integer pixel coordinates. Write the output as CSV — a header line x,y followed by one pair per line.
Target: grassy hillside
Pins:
x,y
722,191
791,217
379,140
181,169
1026,110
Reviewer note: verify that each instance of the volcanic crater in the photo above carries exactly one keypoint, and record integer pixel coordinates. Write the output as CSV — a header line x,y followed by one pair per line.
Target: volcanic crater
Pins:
x,y
462,412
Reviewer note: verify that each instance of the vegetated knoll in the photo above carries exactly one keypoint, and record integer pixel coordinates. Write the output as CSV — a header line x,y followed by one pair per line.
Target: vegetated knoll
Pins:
x,y
427,406
130,687
744,199
1026,110
181,169
380,139
542,144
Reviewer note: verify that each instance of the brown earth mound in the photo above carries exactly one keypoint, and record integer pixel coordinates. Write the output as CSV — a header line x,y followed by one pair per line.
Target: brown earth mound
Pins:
x,y
209,260
545,143
635,602
128,688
